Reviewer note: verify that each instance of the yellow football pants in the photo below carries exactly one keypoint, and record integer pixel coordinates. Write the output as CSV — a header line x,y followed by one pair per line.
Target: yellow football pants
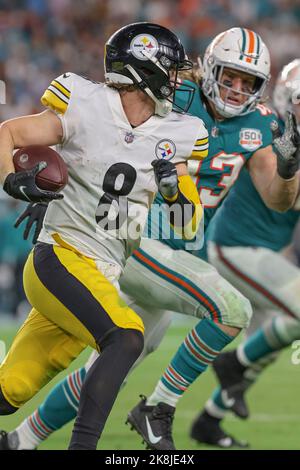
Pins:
x,y
74,305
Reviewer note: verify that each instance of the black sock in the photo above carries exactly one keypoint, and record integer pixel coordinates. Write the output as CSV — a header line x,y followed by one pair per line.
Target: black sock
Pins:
x,y
5,407
119,351
208,417
236,362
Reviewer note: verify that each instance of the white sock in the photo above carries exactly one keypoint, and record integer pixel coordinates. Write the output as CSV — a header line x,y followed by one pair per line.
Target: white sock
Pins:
x,y
213,410
242,356
28,439
163,394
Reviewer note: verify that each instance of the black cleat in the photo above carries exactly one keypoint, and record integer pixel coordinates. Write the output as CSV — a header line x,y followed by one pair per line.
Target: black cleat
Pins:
x,y
153,423
4,441
230,374
207,430
239,405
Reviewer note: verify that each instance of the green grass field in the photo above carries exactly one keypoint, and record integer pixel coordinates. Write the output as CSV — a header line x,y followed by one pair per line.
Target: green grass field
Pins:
x,y
274,403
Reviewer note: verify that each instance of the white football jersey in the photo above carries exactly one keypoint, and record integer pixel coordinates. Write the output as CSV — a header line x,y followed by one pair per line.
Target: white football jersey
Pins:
x,y
111,181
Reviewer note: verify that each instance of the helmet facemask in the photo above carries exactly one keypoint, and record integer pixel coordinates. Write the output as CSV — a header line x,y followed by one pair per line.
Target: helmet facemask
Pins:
x,y
212,85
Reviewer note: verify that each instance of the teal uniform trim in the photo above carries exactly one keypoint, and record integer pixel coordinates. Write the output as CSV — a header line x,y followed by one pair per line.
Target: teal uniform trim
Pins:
x,y
179,281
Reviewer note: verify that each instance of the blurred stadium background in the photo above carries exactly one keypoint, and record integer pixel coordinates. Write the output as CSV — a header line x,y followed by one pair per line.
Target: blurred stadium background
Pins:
x,y
39,39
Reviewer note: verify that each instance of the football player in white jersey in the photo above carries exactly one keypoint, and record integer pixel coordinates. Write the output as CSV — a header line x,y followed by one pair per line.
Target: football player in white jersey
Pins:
x,y
108,135
159,276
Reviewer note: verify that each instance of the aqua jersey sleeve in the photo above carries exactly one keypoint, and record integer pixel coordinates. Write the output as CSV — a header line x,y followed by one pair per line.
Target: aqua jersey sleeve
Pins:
x,y
257,132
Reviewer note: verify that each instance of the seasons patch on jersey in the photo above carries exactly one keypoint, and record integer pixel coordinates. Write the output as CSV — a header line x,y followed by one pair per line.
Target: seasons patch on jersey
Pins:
x,y
250,139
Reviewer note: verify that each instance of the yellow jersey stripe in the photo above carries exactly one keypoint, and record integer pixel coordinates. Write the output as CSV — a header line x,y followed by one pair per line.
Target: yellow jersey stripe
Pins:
x,y
201,147
59,93
50,99
62,88
199,154
58,96
201,141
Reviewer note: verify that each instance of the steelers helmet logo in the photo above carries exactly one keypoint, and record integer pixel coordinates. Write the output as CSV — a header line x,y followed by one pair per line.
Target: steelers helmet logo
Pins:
x,y
144,46
165,149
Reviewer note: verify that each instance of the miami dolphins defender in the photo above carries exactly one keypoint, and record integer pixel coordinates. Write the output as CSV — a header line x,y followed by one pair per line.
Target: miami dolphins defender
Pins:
x,y
108,134
165,273
235,72
247,239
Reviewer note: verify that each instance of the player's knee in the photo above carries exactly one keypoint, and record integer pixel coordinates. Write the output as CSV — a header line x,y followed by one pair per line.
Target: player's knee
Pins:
x,y
134,342
246,312
17,390
5,407
129,341
239,311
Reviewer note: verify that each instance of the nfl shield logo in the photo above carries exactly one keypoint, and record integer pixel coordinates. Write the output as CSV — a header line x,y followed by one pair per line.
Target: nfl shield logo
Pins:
x,y
129,137
214,132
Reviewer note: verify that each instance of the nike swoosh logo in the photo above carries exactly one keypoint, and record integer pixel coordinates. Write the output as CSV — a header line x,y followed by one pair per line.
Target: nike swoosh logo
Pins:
x,y
229,402
21,188
153,439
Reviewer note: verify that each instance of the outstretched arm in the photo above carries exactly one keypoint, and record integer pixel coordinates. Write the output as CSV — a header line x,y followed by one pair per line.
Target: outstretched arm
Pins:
x,y
275,175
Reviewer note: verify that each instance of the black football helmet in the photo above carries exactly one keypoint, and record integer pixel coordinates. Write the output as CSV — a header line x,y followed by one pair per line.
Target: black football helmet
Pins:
x,y
149,56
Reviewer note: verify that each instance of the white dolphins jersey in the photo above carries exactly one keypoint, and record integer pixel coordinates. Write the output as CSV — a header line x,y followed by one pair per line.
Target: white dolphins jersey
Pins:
x,y
111,181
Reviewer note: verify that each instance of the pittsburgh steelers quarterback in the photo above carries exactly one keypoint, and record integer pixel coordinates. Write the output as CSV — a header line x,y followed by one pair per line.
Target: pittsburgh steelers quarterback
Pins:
x,y
122,142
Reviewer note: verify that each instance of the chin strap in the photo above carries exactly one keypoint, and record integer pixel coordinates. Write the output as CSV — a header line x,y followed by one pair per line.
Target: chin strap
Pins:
x,y
162,107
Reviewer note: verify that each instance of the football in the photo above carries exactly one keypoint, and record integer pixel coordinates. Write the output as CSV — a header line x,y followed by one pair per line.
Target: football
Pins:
x,y
52,178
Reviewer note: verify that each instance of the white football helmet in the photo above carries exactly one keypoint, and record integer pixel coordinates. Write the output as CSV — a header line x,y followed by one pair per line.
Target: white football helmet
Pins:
x,y
239,49
287,88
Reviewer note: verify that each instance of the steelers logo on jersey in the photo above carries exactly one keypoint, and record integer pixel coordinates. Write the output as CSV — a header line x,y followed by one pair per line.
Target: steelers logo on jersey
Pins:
x,y
144,46
165,149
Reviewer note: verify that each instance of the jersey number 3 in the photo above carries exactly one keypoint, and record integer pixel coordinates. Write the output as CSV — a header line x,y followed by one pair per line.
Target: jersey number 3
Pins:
x,y
113,205
234,162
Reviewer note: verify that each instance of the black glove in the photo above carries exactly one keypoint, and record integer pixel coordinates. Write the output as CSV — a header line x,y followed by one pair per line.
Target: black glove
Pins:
x,y
35,213
22,186
287,147
166,177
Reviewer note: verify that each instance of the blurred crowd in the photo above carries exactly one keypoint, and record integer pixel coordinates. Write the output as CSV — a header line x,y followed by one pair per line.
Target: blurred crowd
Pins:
x,y
39,39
